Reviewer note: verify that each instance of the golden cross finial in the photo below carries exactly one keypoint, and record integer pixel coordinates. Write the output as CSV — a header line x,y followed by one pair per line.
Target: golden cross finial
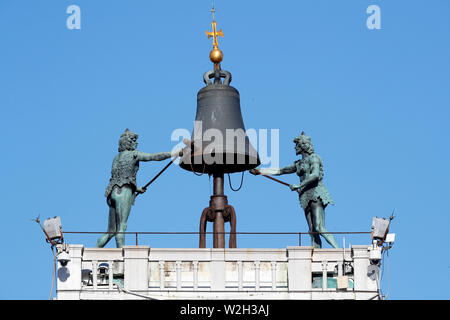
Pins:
x,y
216,55
215,34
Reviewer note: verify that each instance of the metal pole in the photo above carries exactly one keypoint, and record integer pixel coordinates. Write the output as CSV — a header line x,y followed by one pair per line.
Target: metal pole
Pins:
x,y
276,180
219,223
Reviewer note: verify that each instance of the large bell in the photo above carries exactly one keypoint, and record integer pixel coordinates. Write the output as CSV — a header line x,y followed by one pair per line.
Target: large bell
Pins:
x,y
220,144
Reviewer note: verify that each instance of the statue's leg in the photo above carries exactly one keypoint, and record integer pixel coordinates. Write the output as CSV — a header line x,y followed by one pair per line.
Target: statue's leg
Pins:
x,y
124,202
318,219
112,225
315,238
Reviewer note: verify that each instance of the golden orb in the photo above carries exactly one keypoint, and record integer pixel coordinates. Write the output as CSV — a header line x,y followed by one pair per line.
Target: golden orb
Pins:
x,y
216,55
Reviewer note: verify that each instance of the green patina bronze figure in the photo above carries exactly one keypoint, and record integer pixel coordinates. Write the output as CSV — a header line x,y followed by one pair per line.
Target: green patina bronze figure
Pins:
x,y
314,196
122,188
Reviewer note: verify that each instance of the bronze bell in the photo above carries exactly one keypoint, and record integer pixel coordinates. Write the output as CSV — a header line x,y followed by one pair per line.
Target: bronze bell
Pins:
x,y
220,144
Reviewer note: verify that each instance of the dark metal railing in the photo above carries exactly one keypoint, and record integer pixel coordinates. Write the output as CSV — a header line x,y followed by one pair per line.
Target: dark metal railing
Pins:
x,y
237,233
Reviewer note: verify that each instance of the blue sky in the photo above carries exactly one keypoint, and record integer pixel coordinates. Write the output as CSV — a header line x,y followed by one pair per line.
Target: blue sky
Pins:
x,y
375,102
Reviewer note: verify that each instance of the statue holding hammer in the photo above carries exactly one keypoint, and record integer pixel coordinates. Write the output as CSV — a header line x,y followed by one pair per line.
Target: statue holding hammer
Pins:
x,y
313,195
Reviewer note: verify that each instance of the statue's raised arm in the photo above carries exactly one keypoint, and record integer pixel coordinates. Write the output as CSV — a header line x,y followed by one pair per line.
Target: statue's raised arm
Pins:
x,y
274,171
158,156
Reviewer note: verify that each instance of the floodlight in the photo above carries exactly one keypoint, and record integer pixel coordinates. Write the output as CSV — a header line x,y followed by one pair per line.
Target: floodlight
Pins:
x,y
53,229
380,228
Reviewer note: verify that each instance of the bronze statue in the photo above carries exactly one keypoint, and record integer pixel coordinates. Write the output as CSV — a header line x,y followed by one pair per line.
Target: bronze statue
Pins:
x,y
122,188
313,195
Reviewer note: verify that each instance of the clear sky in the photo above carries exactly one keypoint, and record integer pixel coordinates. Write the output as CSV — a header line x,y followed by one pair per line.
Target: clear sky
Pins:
x,y
375,103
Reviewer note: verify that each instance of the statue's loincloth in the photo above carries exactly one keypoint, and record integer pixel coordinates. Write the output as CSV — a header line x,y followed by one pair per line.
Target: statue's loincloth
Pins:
x,y
315,193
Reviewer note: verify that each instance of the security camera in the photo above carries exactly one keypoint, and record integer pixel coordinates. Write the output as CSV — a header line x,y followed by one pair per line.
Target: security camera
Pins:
x,y
103,268
63,258
374,258
375,253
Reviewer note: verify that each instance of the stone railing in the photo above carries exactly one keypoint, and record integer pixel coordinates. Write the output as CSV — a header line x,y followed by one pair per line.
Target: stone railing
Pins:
x,y
138,272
